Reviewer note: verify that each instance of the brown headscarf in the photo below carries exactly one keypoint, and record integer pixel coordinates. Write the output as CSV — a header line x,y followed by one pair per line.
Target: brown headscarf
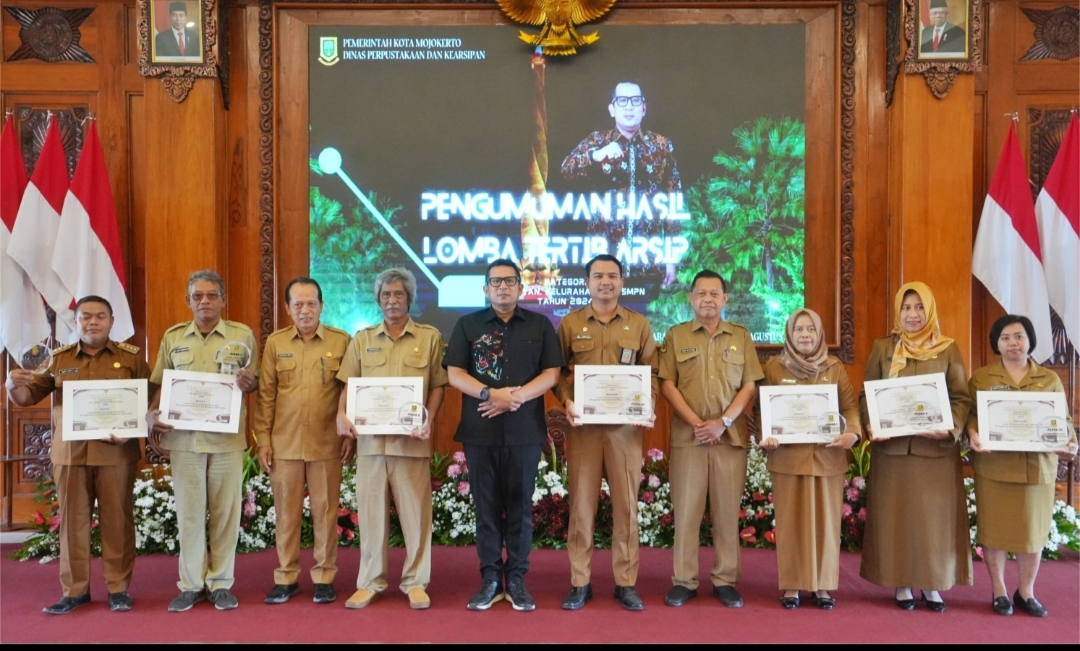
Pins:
x,y
803,366
927,342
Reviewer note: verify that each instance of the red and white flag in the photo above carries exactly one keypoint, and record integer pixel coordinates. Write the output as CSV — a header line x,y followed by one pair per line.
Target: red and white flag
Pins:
x,y
34,234
87,256
23,321
1007,257
1057,211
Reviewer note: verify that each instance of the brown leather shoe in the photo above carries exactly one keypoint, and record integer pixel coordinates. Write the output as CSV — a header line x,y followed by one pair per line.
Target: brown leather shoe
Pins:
x,y
360,598
418,599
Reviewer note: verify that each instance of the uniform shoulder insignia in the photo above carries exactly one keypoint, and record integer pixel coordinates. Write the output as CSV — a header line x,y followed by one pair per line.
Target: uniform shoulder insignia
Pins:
x,y
739,326
179,326
337,330
62,348
236,324
425,326
131,348
370,327
279,330
632,310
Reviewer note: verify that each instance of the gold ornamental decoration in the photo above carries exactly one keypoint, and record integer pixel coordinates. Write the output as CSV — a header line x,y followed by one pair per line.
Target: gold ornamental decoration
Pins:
x,y
556,19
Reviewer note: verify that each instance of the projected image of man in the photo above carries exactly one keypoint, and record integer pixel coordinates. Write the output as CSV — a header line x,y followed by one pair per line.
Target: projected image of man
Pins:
x,y
628,159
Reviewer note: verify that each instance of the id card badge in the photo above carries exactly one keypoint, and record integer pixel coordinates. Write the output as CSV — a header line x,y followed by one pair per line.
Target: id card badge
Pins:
x,y
627,356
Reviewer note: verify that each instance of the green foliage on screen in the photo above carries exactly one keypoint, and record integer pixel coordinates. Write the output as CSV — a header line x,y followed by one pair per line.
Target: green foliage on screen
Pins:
x,y
747,222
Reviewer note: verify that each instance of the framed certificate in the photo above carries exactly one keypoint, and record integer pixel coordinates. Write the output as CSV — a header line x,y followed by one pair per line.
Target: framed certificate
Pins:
x,y
903,406
613,395
1022,421
807,413
94,409
204,402
374,404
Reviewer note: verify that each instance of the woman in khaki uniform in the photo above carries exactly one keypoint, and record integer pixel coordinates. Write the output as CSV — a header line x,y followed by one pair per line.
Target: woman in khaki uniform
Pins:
x,y
916,512
1014,491
808,479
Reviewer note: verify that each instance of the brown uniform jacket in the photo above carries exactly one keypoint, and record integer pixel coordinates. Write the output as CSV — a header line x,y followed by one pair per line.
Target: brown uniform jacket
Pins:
x,y
1013,467
709,370
418,352
113,362
296,413
585,340
813,459
952,365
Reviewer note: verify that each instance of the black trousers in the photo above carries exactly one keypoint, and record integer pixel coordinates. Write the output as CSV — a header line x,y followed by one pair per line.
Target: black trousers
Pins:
x,y
502,480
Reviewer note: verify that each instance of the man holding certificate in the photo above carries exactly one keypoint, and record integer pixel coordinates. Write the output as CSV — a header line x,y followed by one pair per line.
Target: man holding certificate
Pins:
x,y
604,333
297,437
206,465
396,348
89,470
708,368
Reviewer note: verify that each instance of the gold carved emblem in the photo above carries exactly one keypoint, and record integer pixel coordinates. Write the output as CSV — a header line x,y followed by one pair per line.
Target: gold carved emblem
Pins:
x,y
556,19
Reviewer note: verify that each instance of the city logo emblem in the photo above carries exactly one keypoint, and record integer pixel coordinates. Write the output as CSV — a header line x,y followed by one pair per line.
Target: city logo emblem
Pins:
x,y
328,50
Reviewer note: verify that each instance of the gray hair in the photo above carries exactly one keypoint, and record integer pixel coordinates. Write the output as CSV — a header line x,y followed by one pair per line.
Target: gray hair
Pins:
x,y
392,275
206,274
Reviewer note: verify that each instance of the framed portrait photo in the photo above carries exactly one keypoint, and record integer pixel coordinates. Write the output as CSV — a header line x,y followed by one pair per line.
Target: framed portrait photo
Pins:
x,y
177,28
944,30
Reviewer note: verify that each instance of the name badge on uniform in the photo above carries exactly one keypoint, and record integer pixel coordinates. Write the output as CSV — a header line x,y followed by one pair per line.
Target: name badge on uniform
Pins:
x,y
1001,387
627,356
284,354
182,349
374,349
583,337
688,350
66,370
787,380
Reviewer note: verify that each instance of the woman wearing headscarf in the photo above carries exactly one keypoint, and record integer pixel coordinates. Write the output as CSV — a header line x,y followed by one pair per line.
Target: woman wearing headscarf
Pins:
x,y
916,513
807,478
1014,491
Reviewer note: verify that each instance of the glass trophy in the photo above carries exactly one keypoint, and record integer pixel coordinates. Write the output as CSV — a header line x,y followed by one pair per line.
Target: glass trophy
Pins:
x,y
36,357
233,357
638,409
1054,432
413,415
832,424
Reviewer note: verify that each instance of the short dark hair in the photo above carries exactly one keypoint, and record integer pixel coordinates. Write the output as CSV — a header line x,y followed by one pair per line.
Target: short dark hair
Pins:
x,y
626,80
502,262
603,257
1008,320
301,280
93,299
709,273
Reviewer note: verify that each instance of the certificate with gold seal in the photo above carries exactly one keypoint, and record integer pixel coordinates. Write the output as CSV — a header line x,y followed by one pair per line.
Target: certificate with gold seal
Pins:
x,y
94,409
613,394
905,406
374,404
1023,421
799,413
202,402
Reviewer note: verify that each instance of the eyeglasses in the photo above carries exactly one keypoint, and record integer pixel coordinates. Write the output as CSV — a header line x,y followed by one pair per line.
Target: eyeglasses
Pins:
x,y
636,100
198,298
510,281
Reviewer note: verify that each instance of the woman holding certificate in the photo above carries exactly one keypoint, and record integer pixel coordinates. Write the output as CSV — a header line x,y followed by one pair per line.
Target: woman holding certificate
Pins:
x,y
808,478
916,513
1014,490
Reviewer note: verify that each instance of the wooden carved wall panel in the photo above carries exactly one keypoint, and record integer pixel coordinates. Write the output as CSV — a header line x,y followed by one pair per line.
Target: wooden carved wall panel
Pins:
x,y
892,48
33,125
36,441
266,170
847,182
1057,33
50,34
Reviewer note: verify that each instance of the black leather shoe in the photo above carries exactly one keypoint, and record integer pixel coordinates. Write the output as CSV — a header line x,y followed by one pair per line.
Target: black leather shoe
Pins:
x,y
281,593
628,597
519,596
66,605
324,594
905,604
577,597
936,606
489,593
824,603
790,603
728,595
119,602
679,595
1002,606
1029,606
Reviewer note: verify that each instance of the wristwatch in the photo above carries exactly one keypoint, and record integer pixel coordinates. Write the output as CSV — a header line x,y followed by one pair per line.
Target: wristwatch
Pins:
x,y
727,421
485,393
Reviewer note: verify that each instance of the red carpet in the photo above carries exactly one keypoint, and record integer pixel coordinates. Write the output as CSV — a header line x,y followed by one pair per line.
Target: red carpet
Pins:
x,y
864,612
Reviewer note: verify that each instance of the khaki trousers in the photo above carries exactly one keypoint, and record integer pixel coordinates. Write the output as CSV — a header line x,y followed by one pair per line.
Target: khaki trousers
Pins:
x,y
590,450
410,480
76,489
207,482
716,472
288,478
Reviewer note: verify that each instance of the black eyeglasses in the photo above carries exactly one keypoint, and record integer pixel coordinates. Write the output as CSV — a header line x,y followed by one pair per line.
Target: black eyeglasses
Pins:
x,y
636,100
511,281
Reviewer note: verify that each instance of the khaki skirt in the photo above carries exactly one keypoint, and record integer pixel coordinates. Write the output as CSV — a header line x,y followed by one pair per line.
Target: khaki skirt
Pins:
x,y
1013,517
916,523
808,516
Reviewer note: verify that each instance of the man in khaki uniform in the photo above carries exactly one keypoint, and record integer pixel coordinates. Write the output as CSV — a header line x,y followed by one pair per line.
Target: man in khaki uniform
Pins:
x,y
297,438
604,332
708,368
397,347
85,471
206,466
